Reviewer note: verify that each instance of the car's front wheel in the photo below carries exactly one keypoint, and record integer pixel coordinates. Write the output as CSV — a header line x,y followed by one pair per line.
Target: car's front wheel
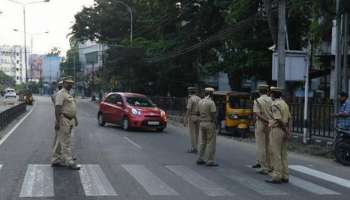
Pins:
x,y
100,119
125,124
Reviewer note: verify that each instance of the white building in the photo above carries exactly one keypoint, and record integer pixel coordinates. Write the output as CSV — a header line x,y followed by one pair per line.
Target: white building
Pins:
x,y
91,56
12,62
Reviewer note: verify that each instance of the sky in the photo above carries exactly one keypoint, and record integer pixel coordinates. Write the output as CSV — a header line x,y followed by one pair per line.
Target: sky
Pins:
x,y
57,17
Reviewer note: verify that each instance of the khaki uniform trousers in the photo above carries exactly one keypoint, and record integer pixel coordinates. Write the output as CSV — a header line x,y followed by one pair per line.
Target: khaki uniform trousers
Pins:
x,y
56,149
208,141
193,125
63,141
279,157
262,143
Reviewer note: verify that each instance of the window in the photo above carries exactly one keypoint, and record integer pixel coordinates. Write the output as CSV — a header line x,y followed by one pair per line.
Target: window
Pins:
x,y
239,102
139,102
111,98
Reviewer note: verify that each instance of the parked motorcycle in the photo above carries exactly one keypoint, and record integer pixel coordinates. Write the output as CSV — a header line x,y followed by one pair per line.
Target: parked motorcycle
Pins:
x,y
342,146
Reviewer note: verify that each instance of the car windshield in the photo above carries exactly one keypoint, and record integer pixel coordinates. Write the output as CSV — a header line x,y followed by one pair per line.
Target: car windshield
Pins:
x,y
239,102
139,102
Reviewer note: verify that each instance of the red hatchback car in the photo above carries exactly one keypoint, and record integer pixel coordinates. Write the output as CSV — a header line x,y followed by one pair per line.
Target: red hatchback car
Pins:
x,y
131,110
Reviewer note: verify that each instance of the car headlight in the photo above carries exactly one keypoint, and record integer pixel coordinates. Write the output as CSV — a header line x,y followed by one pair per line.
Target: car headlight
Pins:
x,y
135,111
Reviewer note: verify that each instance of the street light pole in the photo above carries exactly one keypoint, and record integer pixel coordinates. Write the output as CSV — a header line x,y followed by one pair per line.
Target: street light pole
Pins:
x,y
131,33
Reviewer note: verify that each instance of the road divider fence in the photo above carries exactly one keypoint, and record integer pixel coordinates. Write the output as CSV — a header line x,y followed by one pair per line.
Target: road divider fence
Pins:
x,y
8,115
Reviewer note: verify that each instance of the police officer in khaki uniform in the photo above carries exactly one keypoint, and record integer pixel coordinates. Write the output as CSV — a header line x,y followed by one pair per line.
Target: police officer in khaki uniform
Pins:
x,y
262,111
207,111
65,121
279,134
192,118
56,156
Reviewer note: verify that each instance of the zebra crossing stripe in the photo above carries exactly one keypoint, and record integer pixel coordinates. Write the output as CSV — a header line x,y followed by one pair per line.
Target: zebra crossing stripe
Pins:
x,y
150,182
257,186
311,187
94,181
38,182
321,175
208,187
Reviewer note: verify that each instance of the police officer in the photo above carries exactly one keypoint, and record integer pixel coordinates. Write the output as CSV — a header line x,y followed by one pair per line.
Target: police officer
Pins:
x,y
262,112
207,111
192,118
59,87
279,134
56,156
65,121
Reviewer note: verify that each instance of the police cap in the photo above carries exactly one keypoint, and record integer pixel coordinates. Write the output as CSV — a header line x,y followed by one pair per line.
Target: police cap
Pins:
x,y
191,89
68,79
276,89
209,89
60,83
263,87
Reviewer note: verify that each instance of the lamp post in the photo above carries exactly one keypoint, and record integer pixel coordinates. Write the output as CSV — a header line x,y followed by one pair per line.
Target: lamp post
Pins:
x,y
25,29
31,47
131,18
131,31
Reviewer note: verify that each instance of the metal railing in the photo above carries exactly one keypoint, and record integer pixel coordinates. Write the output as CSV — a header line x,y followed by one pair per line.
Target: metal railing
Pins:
x,y
320,121
7,116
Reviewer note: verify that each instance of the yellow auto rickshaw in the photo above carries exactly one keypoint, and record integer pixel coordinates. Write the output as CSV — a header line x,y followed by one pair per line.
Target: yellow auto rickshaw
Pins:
x,y
234,112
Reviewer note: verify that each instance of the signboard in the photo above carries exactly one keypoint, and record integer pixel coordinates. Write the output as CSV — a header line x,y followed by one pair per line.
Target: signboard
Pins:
x,y
296,65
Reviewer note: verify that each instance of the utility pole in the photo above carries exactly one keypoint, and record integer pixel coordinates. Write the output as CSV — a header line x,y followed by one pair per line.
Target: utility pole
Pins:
x,y
345,86
337,57
281,75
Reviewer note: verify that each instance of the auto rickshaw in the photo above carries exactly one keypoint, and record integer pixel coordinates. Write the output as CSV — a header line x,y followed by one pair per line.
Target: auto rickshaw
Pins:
x,y
27,97
234,112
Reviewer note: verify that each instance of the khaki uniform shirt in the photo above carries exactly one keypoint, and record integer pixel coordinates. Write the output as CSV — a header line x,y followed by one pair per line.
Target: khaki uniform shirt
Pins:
x,y
263,105
192,105
206,107
280,111
67,101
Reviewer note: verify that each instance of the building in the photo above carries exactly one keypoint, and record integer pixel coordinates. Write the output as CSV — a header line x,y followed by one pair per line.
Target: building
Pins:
x,y
91,56
12,62
50,72
50,68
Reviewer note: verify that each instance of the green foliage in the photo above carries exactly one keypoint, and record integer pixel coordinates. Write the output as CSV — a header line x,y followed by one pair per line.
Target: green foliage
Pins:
x,y
174,40
6,81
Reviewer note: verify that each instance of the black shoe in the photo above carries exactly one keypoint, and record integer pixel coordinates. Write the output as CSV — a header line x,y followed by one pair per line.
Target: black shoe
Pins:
x,y
57,165
73,166
274,181
285,180
200,162
256,166
212,164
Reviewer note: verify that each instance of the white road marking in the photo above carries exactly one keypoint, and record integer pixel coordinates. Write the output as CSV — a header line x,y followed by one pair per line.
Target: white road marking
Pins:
x,y
132,142
38,182
321,175
3,139
311,187
94,181
208,187
258,186
150,182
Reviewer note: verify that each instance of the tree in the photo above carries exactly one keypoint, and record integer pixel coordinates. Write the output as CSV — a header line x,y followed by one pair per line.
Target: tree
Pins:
x,y
183,42
6,81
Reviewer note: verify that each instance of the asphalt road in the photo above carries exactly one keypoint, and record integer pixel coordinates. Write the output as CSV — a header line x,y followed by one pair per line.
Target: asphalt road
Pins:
x,y
141,165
